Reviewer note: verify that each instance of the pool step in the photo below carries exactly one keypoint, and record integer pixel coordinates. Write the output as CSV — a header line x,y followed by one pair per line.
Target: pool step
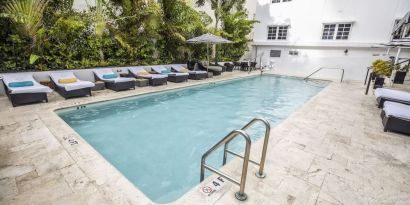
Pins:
x,y
240,195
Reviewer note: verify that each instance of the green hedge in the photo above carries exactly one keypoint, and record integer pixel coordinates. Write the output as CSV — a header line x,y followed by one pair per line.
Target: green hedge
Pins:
x,y
115,32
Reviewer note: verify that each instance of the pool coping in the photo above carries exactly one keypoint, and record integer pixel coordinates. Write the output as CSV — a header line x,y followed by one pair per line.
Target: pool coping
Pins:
x,y
100,170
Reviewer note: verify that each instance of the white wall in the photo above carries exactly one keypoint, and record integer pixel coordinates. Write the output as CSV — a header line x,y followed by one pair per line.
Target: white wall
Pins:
x,y
309,59
373,19
372,24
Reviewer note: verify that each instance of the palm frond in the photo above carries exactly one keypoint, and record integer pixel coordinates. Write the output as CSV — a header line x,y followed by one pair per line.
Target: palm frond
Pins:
x,y
28,14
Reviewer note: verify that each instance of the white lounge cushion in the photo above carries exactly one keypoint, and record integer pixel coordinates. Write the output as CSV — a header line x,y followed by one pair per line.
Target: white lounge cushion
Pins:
x,y
214,68
397,110
179,68
103,71
392,94
136,70
159,69
178,74
197,72
19,77
56,76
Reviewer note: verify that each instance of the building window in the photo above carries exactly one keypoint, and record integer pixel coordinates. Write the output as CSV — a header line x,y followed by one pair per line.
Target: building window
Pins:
x,y
328,31
272,30
336,31
286,0
275,53
343,31
293,53
277,32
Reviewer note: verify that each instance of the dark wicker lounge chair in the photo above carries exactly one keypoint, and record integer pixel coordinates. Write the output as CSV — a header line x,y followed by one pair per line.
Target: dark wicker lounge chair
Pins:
x,y
229,67
78,88
194,75
172,76
114,82
383,95
244,66
27,94
216,70
396,117
237,65
153,79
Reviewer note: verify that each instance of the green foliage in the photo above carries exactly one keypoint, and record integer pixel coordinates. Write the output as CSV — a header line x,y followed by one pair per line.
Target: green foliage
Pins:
x,y
114,32
381,67
13,46
236,27
180,22
27,14
405,68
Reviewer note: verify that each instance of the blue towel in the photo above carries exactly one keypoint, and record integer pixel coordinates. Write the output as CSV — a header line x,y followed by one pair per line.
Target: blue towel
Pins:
x,y
110,76
165,71
21,84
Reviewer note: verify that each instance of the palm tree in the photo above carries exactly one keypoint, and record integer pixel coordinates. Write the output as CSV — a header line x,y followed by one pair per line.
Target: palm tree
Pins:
x,y
28,14
221,7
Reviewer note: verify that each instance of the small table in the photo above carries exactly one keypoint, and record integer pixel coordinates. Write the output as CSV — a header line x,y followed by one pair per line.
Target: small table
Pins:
x,y
210,74
47,83
99,85
141,82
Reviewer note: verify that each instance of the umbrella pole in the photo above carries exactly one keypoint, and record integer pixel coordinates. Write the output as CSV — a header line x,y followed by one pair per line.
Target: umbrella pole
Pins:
x,y
207,56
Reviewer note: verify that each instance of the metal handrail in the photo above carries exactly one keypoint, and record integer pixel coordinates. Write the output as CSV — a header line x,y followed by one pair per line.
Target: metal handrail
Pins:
x,y
261,164
240,195
341,79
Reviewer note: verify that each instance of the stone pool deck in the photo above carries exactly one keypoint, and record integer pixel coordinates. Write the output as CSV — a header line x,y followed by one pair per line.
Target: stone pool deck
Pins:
x,y
330,151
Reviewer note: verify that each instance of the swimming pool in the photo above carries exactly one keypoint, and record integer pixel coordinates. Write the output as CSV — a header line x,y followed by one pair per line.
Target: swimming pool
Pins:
x,y
157,140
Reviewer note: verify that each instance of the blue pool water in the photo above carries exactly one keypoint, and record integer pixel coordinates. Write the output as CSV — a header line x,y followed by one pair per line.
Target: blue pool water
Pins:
x,y
157,140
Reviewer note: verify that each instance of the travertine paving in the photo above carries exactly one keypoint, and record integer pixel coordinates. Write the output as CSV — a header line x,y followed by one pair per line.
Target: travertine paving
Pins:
x,y
330,151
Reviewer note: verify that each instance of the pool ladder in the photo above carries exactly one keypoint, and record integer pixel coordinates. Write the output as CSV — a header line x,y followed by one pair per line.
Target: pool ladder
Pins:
x,y
240,195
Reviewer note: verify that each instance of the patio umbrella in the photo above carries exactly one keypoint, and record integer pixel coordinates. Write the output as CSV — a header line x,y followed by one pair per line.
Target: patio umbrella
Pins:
x,y
208,39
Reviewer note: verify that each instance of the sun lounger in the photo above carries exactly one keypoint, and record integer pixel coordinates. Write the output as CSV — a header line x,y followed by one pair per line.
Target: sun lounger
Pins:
x,y
154,79
383,94
194,75
396,117
113,81
68,85
229,66
21,88
172,76
216,70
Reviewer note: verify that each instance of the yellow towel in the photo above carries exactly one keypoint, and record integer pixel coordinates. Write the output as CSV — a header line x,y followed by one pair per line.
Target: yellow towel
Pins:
x,y
143,73
67,80
184,70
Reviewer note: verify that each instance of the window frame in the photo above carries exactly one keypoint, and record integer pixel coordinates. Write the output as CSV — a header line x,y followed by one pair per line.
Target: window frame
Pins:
x,y
279,29
336,30
279,52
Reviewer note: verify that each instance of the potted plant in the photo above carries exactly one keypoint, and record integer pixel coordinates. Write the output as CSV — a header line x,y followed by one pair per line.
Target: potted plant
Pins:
x,y
381,69
401,73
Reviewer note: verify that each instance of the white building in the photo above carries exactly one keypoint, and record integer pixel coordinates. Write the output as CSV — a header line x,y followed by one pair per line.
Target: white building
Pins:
x,y
304,35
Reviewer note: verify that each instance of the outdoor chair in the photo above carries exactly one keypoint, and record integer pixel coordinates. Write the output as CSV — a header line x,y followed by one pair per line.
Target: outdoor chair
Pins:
x,y
383,94
112,80
153,79
172,76
68,85
396,117
21,88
